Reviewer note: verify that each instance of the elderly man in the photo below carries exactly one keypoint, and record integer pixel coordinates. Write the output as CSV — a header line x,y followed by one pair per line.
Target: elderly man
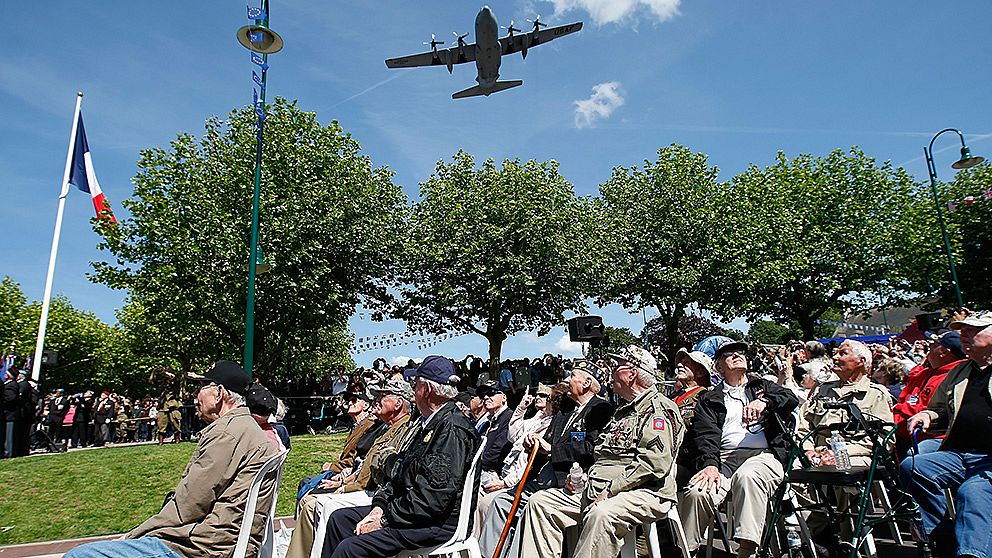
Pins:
x,y
418,506
632,480
852,365
392,407
497,423
570,438
738,448
207,511
692,378
962,406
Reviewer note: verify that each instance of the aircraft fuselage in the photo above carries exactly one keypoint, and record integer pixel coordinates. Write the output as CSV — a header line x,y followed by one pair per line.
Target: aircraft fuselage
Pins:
x,y
488,50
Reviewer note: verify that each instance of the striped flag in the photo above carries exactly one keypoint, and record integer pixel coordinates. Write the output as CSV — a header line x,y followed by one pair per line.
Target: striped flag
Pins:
x,y
82,175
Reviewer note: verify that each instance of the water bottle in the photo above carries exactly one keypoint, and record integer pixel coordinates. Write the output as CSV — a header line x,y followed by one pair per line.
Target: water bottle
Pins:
x,y
793,541
575,475
842,461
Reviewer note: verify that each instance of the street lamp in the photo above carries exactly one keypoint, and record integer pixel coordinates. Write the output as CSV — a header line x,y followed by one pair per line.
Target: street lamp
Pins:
x,y
257,38
965,162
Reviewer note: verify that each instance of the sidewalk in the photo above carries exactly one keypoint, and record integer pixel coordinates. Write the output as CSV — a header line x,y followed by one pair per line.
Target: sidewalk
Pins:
x,y
54,549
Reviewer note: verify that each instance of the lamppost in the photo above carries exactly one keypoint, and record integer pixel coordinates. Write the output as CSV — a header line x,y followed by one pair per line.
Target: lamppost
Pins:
x,y
965,162
257,38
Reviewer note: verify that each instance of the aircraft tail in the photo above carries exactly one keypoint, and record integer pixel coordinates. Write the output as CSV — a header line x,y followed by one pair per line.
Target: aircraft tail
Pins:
x,y
478,90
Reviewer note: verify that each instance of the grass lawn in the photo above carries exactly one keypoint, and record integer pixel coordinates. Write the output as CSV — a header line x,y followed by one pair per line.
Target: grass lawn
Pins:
x,y
110,490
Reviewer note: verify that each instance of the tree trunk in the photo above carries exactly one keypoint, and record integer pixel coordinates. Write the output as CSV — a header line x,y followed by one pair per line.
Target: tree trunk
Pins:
x,y
807,325
672,317
495,348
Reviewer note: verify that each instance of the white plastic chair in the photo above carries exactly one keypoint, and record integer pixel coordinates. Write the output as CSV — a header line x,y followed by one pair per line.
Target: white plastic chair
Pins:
x,y
268,536
629,549
462,540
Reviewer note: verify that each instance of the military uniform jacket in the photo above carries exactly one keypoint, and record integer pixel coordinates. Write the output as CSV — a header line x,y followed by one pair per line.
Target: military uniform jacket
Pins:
x,y
425,487
206,514
638,447
384,445
873,400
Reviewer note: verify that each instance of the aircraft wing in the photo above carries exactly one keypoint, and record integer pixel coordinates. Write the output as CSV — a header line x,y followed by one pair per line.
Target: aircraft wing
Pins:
x,y
441,57
519,42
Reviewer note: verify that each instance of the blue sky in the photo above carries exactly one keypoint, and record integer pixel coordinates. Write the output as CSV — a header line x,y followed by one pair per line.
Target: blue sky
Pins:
x,y
736,80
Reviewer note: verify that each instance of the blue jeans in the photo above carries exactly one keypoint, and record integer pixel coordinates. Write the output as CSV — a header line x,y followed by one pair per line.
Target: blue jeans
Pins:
x,y
969,476
142,547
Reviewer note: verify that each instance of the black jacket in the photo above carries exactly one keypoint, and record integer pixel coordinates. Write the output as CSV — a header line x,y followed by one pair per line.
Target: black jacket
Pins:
x,y
57,409
701,447
575,445
11,407
425,487
497,444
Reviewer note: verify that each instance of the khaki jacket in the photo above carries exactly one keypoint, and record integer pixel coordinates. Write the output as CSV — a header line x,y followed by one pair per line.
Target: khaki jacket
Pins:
x,y
638,447
386,444
350,450
206,514
949,395
873,399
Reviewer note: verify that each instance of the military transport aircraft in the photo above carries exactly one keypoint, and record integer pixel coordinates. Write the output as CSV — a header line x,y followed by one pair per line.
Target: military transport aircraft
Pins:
x,y
486,51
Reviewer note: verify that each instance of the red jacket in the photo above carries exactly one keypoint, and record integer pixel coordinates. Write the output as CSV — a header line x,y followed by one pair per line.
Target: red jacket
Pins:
x,y
921,384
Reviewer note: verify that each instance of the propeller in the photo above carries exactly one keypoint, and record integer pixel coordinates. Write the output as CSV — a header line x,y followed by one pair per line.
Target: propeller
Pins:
x,y
511,29
537,23
434,42
461,38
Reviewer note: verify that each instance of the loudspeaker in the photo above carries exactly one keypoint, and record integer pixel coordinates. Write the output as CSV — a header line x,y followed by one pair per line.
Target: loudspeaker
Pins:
x,y
930,321
586,329
49,358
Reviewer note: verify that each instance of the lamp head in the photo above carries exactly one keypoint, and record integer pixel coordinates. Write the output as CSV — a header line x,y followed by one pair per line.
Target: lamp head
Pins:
x,y
967,161
260,39
260,265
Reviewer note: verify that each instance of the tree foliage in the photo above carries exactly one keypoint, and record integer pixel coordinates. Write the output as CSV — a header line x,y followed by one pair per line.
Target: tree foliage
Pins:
x,y
658,241
493,250
811,234
970,228
330,221
692,329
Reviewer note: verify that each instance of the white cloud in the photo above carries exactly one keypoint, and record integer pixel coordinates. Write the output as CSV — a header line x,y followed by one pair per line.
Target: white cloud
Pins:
x,y
567,347
606,98
614,11
401,360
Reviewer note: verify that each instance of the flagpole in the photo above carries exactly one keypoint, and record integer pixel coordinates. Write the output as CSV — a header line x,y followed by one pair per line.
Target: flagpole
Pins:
x,y
46,303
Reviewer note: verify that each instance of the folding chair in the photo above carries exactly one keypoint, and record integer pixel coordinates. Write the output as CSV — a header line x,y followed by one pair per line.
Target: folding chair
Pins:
x,y
462,540
883,468
629,549
274,463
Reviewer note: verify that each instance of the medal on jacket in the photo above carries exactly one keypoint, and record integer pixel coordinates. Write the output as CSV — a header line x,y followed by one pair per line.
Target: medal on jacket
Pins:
x,y
427,437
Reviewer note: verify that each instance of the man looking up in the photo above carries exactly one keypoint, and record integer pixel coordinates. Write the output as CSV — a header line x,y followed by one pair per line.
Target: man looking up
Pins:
x,y
204,517
737,445
498,416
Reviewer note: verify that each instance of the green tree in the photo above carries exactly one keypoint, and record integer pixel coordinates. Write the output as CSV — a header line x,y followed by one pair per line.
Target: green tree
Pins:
x,y
815,234
970,228
691,330
658,223
619,337
330,221
493,251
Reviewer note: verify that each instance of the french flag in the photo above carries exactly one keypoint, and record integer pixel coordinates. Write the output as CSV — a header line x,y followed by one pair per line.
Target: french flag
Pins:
x,y
82,175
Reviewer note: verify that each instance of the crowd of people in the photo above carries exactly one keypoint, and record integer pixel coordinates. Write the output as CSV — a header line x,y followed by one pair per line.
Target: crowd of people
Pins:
x,y
614,445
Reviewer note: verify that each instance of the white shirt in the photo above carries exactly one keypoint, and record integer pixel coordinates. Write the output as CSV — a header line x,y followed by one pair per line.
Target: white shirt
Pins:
x,y
735,435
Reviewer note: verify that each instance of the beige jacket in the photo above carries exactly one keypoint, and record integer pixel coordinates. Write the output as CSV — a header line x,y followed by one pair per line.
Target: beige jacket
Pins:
x,y
206,514
873,400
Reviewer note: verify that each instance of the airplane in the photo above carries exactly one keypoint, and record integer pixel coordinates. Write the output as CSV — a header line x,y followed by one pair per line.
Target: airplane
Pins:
x,y
487,51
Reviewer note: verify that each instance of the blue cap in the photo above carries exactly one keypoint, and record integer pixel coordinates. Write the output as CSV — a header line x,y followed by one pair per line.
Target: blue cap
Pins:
x,y
437,369
950,339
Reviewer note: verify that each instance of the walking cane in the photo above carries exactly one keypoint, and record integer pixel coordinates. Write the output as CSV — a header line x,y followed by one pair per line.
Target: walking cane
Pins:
x,y
516,501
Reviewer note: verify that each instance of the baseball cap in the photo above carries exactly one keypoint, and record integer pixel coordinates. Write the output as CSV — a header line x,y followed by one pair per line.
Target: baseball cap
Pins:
x,y
975,319
227,374
637,357
949,339
488,389
437,369
729,345
589,367
392,387
261,401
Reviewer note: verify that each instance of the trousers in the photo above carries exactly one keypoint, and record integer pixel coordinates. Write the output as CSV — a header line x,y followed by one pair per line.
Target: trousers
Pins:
x,y
342,542
969,476
490,526
753,477
142,547
312,518
602,528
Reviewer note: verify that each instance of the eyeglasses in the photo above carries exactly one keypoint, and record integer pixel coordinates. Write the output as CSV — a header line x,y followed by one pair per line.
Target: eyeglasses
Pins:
x,y
739,352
